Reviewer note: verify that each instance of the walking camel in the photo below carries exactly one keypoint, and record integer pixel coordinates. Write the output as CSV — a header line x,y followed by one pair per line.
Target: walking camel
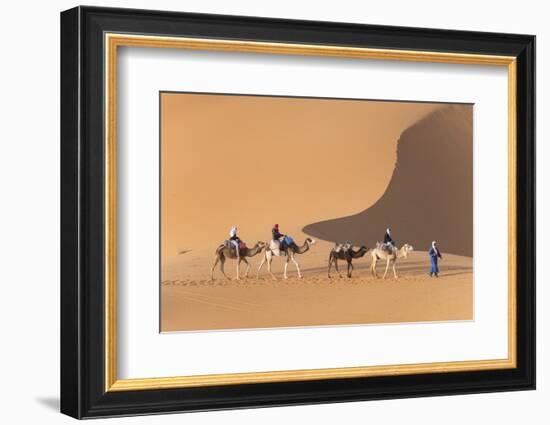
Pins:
x,y
344,254
289,252
381,253
223,252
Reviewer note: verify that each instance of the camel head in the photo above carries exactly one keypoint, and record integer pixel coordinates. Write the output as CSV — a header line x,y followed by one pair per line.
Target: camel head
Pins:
x,y
310,241
360,252
260,245
407,249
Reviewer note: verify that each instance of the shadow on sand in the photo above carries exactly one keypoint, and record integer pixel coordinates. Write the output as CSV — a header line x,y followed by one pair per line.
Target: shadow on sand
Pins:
x,y
430,194
414,268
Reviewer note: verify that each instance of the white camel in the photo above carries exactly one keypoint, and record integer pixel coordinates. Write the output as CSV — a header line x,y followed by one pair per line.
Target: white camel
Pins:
x,y
382,253
274,250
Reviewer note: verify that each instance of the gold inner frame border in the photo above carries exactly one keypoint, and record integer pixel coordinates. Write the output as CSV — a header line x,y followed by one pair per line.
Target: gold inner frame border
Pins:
x,y
113,40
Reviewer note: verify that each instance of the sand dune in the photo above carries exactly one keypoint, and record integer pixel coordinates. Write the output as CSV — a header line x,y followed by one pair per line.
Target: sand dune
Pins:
x,y
255,161
430,195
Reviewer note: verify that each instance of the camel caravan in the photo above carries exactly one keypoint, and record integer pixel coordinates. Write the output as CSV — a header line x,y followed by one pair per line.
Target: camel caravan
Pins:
x,y
285,247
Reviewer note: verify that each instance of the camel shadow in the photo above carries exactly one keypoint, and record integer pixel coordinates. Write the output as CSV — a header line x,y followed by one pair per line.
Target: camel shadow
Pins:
x,y
414,268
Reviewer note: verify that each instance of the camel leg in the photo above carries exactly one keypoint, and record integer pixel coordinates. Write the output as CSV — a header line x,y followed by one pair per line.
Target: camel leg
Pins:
x,y
222,267
387,267
329,265
336,267
238,268
373,268
269,268
350,268
247,267
286,266
216,260
394,273
297,266
260,267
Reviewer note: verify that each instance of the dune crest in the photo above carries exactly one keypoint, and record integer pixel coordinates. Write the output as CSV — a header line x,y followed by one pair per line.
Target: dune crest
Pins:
x,y
430,194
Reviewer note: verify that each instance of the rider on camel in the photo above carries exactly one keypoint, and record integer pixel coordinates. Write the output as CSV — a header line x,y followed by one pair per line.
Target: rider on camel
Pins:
x,y
235,240
389,243
278,236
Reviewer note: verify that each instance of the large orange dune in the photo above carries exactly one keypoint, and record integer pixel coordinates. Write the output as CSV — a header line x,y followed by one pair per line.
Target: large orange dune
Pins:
x,y
255,161
430,194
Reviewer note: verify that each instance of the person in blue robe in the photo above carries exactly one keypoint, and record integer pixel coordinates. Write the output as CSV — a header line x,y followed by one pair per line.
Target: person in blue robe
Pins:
x,y
435,255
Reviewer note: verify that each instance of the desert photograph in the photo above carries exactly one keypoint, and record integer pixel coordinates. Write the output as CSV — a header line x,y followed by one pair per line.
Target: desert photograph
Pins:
x,y
293,212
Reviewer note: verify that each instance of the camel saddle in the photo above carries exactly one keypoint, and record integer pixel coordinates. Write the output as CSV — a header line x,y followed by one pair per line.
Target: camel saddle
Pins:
x,y
389,248
342,247
242,245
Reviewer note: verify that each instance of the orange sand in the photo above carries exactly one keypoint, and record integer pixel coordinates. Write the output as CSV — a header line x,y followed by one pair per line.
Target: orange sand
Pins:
x,y
190,301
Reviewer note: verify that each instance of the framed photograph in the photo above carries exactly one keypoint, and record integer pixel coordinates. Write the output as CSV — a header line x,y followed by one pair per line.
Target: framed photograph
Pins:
x,y
261,212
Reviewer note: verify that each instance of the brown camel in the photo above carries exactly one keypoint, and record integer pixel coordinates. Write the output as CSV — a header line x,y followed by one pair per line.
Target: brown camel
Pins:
x,y
223,253
289,252
382,253
345,254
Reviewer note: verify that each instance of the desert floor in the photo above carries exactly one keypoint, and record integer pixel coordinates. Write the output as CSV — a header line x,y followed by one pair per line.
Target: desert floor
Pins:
x,y
191,301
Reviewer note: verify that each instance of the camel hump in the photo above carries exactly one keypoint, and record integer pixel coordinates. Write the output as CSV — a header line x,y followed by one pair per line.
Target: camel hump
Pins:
x,y
274,244
288,240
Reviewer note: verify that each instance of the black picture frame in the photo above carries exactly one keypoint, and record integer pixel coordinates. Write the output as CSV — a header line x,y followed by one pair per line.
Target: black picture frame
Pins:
x,y
83,392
